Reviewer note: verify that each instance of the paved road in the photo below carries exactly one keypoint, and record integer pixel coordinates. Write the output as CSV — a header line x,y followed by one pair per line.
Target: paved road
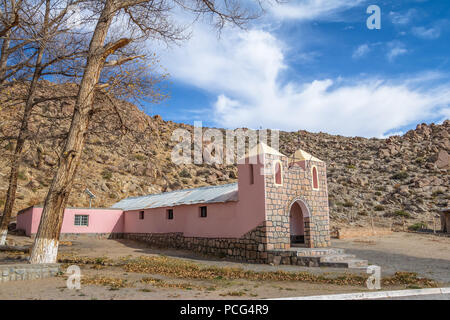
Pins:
x,y
414,294
423,297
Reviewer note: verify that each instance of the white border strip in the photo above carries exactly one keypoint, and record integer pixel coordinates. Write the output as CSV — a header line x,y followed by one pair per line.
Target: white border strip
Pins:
x,y
373,295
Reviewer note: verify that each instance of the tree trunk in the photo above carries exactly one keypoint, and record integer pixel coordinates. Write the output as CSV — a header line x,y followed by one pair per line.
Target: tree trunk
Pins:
x,y
4,56
23,133
45,248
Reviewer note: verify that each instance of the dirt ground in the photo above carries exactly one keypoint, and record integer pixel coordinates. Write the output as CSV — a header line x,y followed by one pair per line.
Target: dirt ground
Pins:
x,y
425,254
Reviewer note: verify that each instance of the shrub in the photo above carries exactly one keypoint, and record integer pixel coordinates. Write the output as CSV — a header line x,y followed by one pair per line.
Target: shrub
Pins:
x,y
348,204
175,185
106,174
9,146
400,175
378,208
418,226
21,175
139,157
185,174
401,213
420,160
203,172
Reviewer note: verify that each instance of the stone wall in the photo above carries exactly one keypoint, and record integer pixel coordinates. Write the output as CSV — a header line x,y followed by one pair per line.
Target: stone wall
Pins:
x,y
297,185
250,248
14,272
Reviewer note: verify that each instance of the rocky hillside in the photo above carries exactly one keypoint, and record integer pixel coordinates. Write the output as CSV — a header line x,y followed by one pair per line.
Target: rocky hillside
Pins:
x,y
395,181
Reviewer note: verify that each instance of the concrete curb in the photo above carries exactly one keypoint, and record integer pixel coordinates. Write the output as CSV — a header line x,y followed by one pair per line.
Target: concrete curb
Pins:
x,y
373,295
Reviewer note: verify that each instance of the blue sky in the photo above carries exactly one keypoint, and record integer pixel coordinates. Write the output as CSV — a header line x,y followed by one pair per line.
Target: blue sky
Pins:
x,y
314,65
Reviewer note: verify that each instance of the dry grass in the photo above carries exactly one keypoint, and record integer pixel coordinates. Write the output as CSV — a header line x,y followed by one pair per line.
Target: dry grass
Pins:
x,y
113,283
164,284
183,269
409,279
73,259
188,270
233,294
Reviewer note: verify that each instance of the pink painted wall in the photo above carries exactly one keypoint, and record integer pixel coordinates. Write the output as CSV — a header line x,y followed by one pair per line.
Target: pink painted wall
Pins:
x,y
24,220
252,203
225,220
222,221
100,220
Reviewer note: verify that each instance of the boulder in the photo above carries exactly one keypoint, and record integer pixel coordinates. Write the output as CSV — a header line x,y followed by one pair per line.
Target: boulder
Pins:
x,y
443,160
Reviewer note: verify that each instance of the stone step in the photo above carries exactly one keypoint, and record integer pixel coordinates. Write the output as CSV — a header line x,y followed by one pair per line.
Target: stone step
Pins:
x,y
350,263
336,257
309,252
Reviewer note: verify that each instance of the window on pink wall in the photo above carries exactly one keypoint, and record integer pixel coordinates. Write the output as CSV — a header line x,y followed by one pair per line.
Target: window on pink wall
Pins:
x,y
315,178
252,175
141,215
203,212
278,172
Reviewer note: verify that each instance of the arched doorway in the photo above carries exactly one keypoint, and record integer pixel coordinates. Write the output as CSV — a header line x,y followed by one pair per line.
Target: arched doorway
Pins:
x,y
298,214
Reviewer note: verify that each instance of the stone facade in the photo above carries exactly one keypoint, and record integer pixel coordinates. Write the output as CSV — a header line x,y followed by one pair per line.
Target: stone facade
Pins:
x,y
296,186
250,248
270,242
15,272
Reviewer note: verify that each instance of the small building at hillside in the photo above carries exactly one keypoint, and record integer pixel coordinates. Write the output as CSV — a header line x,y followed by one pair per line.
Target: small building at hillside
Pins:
x,y
279,202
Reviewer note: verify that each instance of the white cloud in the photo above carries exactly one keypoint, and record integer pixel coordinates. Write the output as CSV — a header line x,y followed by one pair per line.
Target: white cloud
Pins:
x,y
403,18
395,49
312,9
361,51
237,61
369,108
245,71
424,33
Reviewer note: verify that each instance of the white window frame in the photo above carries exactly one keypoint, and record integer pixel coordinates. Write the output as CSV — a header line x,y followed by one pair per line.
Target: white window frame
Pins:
x,y
81,221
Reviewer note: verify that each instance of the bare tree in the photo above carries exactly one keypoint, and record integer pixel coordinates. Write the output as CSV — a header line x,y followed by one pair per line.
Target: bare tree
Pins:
x,y
143,19
9,19
9,15
50,25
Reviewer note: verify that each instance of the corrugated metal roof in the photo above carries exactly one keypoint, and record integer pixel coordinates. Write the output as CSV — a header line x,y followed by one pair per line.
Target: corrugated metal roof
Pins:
x,y
223,193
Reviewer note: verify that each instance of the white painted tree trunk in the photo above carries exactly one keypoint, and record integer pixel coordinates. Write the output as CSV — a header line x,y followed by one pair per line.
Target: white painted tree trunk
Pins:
x,y
3,234
44,251
45,248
